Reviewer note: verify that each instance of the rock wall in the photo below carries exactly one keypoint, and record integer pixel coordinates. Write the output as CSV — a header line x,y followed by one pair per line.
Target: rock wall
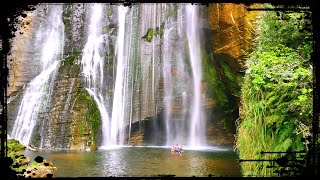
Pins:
x,y
233,29
23,62
73,119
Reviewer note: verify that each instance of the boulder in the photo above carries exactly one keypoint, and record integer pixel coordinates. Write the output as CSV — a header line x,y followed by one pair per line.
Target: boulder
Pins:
x,y
44,169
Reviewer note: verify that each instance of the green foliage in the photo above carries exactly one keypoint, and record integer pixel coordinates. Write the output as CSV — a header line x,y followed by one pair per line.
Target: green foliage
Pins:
x,y
222,81
108,29
285,77
223,85
15,149
20,161
216,88
35,164
291,29
276,95
14,146
231,78
94,116
67,13
154,32
149,35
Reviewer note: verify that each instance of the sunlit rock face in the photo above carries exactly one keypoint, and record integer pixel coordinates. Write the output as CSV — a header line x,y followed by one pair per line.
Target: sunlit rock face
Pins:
x,y
232,31
232,27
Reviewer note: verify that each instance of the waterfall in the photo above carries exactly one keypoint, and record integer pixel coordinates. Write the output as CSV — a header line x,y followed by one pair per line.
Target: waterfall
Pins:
x,y
196,123
93,67
167,84
113,125
120,89
37,92
131,76
182,90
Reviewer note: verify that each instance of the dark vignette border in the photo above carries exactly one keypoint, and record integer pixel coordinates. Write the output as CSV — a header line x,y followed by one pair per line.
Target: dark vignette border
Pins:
x,y
10,11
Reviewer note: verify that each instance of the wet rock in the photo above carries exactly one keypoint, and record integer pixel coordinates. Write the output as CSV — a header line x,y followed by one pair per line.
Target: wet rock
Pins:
x,y
40,170
39,159
25,161
32,148
93,148
19,162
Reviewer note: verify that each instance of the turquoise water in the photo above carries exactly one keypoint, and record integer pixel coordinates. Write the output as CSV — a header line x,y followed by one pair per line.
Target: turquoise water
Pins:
x,y
142,162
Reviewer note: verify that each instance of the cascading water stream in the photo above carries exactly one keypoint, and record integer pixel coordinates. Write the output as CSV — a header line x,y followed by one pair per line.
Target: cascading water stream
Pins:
x,y
93,68
38,91
120,89
180,86
192,28
167,85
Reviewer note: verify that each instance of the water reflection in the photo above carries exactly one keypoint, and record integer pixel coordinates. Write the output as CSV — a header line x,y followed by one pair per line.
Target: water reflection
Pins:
x,y
194,164
113,163
142,162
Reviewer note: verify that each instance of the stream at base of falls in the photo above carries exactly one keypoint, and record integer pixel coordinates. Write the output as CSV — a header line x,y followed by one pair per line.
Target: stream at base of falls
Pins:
x,y
143,162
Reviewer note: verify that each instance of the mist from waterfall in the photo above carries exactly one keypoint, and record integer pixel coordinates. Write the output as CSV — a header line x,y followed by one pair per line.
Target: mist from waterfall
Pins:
x,y
38,92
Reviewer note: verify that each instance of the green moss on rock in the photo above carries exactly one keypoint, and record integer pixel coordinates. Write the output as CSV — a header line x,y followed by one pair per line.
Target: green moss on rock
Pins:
x,y
154,32
87,121
21,164
14,146
216,88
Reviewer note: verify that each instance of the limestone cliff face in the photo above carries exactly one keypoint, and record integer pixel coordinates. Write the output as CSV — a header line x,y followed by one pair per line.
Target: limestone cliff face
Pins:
x,y
23,64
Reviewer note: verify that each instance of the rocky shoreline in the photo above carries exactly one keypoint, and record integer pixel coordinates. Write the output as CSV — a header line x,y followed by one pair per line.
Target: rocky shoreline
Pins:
x,y
22,166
